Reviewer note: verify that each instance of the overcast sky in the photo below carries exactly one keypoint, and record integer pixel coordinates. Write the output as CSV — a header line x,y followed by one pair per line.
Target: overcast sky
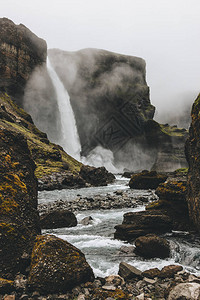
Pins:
x,y
166,33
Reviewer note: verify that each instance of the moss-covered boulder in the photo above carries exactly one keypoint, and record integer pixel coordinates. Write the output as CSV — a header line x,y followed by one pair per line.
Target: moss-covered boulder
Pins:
x,y
57,266
172,202
19,219
193,158
146,180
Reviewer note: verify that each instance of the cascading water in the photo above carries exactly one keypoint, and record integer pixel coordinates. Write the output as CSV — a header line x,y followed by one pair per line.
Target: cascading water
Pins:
x,y
70,138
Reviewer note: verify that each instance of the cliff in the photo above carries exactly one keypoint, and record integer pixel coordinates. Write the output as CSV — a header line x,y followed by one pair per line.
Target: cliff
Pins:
x,y
19,219
20,52
193,158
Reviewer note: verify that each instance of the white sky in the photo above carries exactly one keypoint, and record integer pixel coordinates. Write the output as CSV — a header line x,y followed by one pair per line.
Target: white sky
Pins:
x,y
166,33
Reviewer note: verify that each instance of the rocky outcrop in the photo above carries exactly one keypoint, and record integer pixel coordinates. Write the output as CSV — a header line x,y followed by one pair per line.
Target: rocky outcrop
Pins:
x,y
146,180
151,246
96,176
20,52
136,224
19,219
57,266
58,219
193,158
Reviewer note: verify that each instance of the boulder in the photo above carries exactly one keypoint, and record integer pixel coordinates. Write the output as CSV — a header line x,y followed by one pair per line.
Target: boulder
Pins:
x,y
146,180
151,273
19,219
170,271
96,176
57,266
128,271
86,221
172,202
141,223
186,291
58,219
151,246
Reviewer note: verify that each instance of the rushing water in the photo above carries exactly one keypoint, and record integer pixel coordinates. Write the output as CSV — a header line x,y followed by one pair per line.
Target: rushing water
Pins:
x,y
70,138
102,250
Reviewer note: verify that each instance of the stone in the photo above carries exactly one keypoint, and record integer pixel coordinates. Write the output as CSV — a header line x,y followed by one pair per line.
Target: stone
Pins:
x,y
86,221
170,271
96,176
149,280
58,219
109,287
151,273
151,246
136,224
128,271
20,282
186,291
81,297
115,280
57,266
140,297
146,180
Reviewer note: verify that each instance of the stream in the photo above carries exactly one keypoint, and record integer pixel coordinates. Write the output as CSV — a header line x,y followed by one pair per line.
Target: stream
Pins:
x,y
96,240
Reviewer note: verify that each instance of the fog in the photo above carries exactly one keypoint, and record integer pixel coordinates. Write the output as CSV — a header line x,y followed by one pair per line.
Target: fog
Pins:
x,y
164,33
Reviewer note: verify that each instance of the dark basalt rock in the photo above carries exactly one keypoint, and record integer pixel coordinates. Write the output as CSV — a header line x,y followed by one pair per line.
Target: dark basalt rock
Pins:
x,y
57,266
58,219
151,246
20,52
142,223
146,180
170,271
96,176
128,271
19,219
172,202
193,158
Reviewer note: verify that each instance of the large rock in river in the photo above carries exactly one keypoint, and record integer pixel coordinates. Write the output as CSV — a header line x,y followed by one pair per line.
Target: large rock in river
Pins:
x,y
57,266
193,158
58,219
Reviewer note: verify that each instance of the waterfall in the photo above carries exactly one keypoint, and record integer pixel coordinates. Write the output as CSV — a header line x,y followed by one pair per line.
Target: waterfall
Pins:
x,y
70,138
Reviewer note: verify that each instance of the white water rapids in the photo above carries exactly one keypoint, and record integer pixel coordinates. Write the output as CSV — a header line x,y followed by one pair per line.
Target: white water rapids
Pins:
x,y
97,241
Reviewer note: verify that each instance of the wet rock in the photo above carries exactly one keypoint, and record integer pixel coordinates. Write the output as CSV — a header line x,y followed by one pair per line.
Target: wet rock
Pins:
x,y
9,297
128,271
151,246
151,273
96,176
146,180
186,291
170,271
57,266
58,219
126,250
87,221
141,223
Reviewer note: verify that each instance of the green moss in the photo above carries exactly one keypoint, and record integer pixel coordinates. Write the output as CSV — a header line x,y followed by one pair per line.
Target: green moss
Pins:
x,y
172,130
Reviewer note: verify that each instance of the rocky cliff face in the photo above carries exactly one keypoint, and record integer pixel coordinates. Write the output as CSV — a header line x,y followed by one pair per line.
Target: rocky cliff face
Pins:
x,y
108,93
20,52
19,219
193,158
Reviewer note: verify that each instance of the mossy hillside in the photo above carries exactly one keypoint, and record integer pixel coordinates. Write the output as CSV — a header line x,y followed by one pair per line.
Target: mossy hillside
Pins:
x,y
49,158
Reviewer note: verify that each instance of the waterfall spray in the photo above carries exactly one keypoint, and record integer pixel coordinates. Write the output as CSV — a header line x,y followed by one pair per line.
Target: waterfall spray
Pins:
x,y
70,138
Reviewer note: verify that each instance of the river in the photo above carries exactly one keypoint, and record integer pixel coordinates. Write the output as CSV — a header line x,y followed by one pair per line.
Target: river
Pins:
x,y
96,240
